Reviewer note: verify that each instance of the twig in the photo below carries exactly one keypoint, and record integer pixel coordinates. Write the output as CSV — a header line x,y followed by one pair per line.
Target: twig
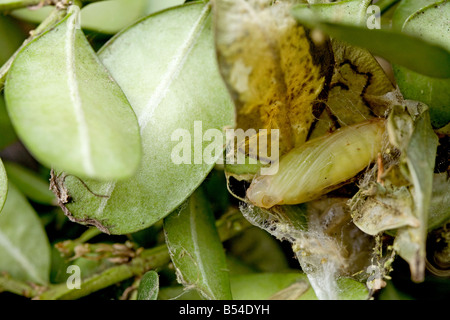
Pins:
x,y
228,226
18,287
9,6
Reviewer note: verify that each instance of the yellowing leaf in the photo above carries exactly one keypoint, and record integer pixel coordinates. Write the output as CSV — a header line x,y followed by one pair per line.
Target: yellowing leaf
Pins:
x,y
357,81
265,58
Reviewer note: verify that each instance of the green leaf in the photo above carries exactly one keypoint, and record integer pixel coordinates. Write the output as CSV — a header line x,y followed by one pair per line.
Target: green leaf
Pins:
x,y
429,23
434,60
11,4
196,250
440,201
3,185
352,12
24,247
406,8
30,184
258,249
106,17
178,293
390,292
88,266
112,16
419,158
171,81
33,15
7,133
236,266
263,286
67,109
11,37
158,5
149,286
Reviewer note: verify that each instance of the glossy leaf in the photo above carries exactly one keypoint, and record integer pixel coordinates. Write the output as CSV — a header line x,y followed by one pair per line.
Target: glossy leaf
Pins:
x,y
24,247
258,249
406,8
263,286
67,109
158,5
352,12
171,81
428,23
34,16
196,250
435,60
149,286
112,16
106,17
30,184
3,185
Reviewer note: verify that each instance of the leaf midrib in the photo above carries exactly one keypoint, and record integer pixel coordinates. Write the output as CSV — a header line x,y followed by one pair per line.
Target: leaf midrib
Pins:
x,y
75,92
19,257
162,89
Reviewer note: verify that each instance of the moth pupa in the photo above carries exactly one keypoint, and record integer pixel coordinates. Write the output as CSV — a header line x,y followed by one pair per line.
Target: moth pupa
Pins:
x,y
320,165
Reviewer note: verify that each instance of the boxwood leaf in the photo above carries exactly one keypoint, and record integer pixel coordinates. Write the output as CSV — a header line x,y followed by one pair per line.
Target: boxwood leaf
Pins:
x,y
3,185
106,17
196,250
171,81
263,286
149,286
347,11
406,8
24,247
33,15
67,109
112,16
30,184
435,60
429,23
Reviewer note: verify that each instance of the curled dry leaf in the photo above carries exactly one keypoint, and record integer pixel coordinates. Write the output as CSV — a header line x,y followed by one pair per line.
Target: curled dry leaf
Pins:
x,y
266,60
